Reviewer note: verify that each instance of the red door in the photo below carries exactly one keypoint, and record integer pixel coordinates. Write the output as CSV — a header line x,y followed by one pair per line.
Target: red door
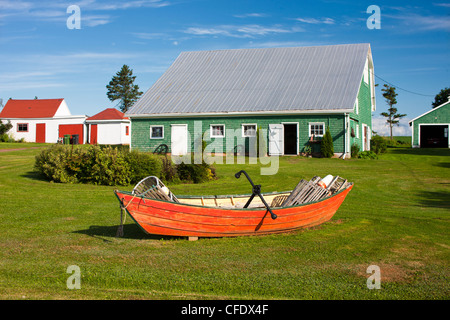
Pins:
x,y
71,129
40,132
93,138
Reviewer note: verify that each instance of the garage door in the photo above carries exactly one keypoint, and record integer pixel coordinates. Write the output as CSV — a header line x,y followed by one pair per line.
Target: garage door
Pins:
x,y
433,136
72,129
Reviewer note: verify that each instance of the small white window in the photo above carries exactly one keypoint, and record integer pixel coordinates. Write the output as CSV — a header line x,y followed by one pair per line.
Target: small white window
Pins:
x,y
317,129
217,131
248,130
156,132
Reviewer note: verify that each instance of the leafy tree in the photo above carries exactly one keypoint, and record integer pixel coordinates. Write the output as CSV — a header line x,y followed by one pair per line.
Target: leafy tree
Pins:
x,y
392,116
122,88
326,146
441,97
4,128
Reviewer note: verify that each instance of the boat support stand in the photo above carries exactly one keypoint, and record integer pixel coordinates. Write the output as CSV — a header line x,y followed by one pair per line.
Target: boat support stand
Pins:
x,y
256,191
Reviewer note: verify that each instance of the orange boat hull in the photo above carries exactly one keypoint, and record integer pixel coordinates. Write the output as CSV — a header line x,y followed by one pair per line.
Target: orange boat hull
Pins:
x,y
178,219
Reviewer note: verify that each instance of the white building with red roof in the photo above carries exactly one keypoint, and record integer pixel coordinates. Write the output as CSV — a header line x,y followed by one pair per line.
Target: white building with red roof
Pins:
x,y
42,120
109,127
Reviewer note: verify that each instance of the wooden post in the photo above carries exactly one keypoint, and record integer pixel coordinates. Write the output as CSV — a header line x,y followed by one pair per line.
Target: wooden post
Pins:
x,y
193,238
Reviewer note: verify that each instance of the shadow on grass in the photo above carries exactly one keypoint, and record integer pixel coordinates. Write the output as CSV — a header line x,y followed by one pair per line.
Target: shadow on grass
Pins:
x,y
420,151
130,231
434,199
34,175
443,164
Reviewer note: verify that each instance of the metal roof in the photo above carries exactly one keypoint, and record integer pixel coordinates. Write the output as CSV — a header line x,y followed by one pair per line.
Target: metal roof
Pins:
x,y
321,79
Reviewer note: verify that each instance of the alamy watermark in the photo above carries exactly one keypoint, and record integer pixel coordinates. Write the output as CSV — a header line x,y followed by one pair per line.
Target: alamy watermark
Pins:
x,y
74,21
374,281
74,280
225,148
374,21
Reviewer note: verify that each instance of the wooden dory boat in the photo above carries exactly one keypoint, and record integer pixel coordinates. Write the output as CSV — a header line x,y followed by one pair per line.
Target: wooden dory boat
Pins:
x,y
157,211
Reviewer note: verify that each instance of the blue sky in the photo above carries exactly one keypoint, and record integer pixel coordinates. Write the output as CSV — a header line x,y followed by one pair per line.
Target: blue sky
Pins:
x,y
40,56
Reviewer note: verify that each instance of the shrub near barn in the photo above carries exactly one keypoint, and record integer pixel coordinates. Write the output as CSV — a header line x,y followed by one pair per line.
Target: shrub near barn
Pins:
x,y
93,164
113,166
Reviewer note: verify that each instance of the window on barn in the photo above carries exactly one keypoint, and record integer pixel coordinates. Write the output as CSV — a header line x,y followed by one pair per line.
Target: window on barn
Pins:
x,y
248,130
127,130
217,131
156,132
317,129
22,127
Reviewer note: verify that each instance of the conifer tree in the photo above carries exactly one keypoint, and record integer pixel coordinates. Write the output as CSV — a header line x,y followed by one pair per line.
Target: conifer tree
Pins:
x,y
326,146
122,88
392,116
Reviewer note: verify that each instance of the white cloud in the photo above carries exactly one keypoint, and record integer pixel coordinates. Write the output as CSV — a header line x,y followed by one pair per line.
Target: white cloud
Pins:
x,y
316,21
250,15
412,21
381,127
55,10
445,5
244,31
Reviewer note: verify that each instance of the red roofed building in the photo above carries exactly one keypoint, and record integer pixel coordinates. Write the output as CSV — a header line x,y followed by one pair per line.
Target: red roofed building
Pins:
x,y
42,120
109,127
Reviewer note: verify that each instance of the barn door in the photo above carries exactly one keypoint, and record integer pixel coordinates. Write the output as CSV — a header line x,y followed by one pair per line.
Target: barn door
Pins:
x,y
179,140
276,146
93,137
40,132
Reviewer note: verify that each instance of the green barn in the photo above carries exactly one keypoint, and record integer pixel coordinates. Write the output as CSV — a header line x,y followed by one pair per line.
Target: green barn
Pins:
x,y
287,96
431,129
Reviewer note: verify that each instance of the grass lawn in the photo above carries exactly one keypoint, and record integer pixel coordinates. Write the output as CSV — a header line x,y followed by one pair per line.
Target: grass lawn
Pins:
x,y
396,217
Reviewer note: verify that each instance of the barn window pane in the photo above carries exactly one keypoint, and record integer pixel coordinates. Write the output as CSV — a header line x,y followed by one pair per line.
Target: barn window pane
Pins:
x,y
156,132
217,131
249,130
316,129
22,127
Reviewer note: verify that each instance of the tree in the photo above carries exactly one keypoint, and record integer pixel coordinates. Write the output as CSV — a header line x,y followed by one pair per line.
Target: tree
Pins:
x,y
326,145
122,88
4,128
392,116
442,97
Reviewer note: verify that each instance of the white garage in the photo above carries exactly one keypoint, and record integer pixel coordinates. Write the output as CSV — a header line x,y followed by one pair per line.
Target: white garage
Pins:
x,y
109,127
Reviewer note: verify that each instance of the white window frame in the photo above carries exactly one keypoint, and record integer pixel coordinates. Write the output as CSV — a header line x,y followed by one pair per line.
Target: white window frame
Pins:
x,y
316,123
357,131
151,131
248,124
211,131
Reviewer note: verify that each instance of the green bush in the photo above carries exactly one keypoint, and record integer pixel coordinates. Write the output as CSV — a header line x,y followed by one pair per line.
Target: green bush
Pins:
x,y
354,150
378,144
53,164
169,170
326,146
367,155
143,165
94,164
196,173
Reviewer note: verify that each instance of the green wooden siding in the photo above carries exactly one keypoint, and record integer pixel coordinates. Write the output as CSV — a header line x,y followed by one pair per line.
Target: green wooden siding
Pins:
x,y
140,137
363,116
440,115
